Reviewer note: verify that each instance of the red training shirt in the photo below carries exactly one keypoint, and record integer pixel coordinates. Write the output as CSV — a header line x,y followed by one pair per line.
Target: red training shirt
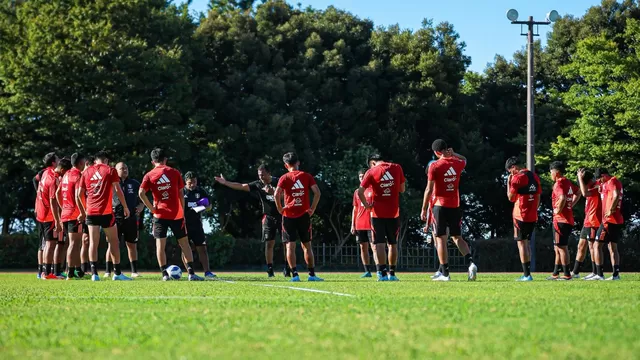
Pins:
x,y
385,180
165,184
98,180
445,172
46,191
607,199
592,206
525,185
564,186
363,215
67,188
296,186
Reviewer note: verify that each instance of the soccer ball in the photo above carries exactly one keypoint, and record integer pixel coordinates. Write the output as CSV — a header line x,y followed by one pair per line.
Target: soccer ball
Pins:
x,y
175,272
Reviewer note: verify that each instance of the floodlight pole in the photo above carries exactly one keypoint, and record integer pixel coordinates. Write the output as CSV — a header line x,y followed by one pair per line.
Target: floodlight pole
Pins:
x,y
531,162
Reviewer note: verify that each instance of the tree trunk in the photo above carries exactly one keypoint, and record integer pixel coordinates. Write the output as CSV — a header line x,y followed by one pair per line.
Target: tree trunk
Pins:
x,y
6,222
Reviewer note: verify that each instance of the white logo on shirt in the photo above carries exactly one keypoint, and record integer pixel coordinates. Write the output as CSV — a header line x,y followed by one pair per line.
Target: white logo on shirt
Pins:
x,y
451,172
570,191
387,176
164,180
533,188
96,177
297,185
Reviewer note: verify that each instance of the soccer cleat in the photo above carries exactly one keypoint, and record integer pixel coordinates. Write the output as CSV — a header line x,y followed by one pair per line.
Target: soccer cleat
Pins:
x,y
167,278
613,278
195,277
295,279
552,277
270,273
52,277
209,275
121,277
442,278
564,278
95,277
315,278
107,275
135,275
380,277
286,272
525,278
575,276
595,278
473,272
62,274
437,274
366,275
39,276
393,278
589,276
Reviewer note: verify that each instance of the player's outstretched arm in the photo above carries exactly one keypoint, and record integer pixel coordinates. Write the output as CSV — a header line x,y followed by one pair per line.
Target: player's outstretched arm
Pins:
x,y
231,184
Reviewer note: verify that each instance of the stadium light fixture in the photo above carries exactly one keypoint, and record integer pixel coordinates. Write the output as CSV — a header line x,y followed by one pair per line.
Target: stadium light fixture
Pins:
x,y
512,15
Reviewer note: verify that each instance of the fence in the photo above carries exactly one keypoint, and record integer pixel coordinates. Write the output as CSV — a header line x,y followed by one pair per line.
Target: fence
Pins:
x,y
413,258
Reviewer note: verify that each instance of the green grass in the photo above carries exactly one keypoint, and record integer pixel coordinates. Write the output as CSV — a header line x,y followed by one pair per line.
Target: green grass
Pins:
x,y
492,318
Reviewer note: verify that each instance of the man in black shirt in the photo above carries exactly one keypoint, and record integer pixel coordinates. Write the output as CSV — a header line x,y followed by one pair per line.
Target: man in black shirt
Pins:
x,y
196,201
264,188
127,227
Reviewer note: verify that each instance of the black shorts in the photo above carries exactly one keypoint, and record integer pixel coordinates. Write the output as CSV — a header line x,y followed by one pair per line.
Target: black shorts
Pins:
x,y
561,233
161,226
270,226
74,227
363,236
609,233
294,229
128,229
46,232
523,230
195,232
589,233
385,230
444,217
104,221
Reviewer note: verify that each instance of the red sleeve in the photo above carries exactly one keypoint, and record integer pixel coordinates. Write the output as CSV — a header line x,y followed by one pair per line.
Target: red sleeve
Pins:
x,y
282,181
367,180
113,174
312,180
618,185
52,189
355,198
432,172
81,184
566,186
517,182
145,182
401,172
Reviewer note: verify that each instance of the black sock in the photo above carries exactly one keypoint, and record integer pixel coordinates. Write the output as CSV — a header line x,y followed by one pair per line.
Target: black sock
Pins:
x,y
312,271
85,267
134,266
556,270
526,268
270,268
565,270
392,270
40,268
294,271
94,267
445,269
163,268
468,259
80,272
116,269
382,269
287,268
577,266
72,272
599,270
109,266
616,270
190,268
593,267
440,268
56,269
47,269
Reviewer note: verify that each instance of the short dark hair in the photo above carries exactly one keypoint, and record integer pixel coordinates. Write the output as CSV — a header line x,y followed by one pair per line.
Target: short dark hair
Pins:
x,y
290,158
91,159
264,167
588,175
77,159
557,165
601,171
64,164
158,155
374,157
362,171
49,159
439,145
101,155
190,175
511,162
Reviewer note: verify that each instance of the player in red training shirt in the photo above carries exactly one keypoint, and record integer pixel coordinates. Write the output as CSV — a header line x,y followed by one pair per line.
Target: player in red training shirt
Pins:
x,y
166,186
62,167
98,183
297,212
612,224
387,181
45,208
361,224
565,195
590,189
443,184
73,229
523,189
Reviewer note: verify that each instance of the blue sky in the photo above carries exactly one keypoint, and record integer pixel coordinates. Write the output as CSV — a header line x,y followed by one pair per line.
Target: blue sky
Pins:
x,y
482,24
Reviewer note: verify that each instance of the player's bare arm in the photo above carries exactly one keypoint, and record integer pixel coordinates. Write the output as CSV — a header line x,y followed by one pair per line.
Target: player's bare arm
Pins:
x,y
403,187
614,203
231,184
428,192
120,195
316,199
80,202
559,205
574,199
510,194
362,198
278,199
583,186
55,210
142,194
353,220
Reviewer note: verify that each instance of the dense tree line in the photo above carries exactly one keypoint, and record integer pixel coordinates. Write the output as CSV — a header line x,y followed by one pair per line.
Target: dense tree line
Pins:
x,y
248,81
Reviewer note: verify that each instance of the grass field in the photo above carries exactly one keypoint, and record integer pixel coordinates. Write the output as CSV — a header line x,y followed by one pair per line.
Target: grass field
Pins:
x,y
254,317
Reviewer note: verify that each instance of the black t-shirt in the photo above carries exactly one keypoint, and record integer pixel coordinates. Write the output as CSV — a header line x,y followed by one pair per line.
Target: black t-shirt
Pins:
x,y
191,198
266,200
130,189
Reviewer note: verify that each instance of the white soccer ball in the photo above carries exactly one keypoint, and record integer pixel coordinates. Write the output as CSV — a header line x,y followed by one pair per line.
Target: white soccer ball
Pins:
x,y
175,272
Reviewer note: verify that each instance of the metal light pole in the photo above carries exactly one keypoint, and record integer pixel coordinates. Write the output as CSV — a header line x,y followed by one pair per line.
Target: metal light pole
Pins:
x,y
552,16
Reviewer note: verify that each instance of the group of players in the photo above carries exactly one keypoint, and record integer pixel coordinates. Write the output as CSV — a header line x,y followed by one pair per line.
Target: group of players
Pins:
x,y
78,191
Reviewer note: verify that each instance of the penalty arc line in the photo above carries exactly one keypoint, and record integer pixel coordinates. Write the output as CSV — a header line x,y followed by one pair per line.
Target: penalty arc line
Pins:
x,y
296,288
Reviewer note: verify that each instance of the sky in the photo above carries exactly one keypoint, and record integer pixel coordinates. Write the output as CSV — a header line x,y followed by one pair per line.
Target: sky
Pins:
x,y
482,24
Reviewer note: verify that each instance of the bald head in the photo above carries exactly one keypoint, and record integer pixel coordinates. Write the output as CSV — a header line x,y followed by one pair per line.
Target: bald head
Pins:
x,y
123,170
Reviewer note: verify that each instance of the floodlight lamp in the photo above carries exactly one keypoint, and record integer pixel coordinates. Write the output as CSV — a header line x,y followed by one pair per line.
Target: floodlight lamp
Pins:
x,y
512,14
553,16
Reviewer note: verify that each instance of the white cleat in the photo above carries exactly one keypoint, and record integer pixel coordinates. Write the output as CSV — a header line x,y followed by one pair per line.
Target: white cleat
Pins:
x,y
437,274
473,272
135,275
166,278
575,276
442,278
595,278
107,275
589,276
613,278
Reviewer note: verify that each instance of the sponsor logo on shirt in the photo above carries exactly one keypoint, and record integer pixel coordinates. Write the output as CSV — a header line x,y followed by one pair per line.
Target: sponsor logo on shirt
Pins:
x,y
386,182
162,181
449,177
298,186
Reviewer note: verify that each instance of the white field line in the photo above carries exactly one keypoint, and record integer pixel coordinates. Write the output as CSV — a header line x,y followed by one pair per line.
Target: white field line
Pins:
x,y
159,297
295,288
